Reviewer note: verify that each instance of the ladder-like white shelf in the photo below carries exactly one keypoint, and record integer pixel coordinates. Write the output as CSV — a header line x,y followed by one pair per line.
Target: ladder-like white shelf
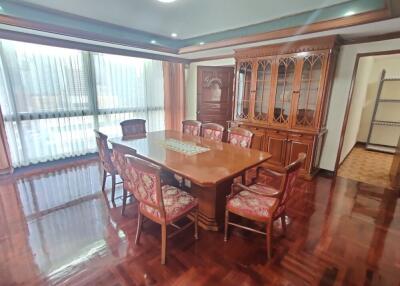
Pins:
x,y
374,123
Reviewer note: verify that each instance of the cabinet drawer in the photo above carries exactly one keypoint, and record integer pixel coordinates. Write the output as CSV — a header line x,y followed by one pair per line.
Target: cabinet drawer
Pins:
x,y
300,137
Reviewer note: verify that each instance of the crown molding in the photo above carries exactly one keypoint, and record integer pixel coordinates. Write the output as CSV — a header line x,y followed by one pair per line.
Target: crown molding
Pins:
x,y
63,31
63,43
362,18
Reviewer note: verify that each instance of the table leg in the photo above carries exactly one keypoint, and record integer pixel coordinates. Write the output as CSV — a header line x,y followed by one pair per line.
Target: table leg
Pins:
x,y
212,202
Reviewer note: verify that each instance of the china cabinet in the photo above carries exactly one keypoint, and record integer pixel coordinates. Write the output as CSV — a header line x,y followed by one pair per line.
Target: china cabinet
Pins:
x,y
281,94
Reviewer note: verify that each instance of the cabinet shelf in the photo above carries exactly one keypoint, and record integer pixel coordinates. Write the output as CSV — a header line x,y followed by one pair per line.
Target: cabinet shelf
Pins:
x,y
278,102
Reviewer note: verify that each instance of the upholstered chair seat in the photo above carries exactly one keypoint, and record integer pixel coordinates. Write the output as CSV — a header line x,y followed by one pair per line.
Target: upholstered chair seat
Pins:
x,y
261,202
176,204
161,204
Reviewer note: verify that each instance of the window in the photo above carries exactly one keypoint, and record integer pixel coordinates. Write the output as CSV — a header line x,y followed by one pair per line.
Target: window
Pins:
x,y
52,98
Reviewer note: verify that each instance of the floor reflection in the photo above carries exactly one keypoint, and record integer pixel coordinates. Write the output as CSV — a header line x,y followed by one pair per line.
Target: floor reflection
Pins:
x,y
60,228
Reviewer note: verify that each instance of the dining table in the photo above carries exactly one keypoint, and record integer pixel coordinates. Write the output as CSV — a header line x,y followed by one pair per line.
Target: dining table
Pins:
x,y
210,166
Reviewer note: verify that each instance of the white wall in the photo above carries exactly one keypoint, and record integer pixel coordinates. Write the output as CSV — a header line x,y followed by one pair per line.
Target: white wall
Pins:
x,y
340,92
363,102
191,84
360,91
391,111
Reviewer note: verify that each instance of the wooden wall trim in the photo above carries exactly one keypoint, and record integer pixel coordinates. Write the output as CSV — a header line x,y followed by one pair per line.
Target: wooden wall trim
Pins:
x,y
227,56
350,98
306,45
374,38
59,30
43,40
362,18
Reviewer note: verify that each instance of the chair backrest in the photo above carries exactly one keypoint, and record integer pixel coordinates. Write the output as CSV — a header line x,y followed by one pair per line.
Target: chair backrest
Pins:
x,y
144,181
213,131
291,174
104,151
133,127
191,127
118,157
240,137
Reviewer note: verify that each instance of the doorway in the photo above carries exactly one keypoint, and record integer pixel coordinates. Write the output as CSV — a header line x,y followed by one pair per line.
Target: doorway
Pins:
x,y
373,126
215,94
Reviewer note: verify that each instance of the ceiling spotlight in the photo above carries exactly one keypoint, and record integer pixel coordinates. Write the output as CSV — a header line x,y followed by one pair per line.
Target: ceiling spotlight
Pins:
x,y
201,43
174,35
153,42
166,1
349,13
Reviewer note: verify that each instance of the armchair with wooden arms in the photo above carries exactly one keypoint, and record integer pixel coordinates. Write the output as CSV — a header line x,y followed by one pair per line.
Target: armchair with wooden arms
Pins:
x,y
263,203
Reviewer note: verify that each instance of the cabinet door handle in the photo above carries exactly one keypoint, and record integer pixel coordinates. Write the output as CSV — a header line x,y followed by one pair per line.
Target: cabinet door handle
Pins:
x,y
297,135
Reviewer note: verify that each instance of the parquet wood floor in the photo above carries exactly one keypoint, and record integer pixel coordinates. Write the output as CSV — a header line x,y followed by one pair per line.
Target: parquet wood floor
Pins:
x,y
366,166
59,228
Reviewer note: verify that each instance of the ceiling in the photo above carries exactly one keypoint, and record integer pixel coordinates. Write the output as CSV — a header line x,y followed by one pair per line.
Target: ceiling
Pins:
x,y
145,25
187,18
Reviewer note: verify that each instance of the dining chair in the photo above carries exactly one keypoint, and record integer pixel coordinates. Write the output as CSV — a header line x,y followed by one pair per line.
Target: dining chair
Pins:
x,y
213,131
243,138
162,204
106,162
132,127
240,137
263,203
118,158
191,127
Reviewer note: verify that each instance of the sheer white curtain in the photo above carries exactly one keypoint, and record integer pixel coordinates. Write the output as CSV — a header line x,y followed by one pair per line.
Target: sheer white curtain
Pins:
x,y
128,88
45,102
52,98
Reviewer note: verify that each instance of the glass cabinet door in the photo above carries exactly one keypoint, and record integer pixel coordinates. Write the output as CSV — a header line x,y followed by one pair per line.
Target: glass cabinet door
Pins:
x,y
284,90
243,93
309,90
263,89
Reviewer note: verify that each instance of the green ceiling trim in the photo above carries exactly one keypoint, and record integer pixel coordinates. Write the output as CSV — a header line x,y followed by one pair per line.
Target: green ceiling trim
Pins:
x,y
324,14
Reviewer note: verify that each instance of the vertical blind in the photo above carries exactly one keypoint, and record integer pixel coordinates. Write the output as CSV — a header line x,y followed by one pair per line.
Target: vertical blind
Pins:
x,y
52,98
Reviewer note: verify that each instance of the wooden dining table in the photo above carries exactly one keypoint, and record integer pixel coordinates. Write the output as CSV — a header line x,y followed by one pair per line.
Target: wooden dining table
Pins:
x,y
210,166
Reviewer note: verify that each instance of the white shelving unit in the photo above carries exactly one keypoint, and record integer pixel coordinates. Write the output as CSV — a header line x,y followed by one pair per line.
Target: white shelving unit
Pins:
x,y
377,123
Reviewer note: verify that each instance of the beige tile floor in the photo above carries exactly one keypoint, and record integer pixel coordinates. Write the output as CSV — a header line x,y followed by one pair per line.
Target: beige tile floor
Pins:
x,y
366,166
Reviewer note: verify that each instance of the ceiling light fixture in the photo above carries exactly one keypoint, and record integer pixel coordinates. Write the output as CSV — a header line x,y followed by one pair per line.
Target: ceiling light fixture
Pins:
x,y
174,35
201,43
349,13
166,1
153,42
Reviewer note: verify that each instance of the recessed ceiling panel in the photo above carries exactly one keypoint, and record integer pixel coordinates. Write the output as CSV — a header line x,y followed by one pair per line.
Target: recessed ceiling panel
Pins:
x,y
186,18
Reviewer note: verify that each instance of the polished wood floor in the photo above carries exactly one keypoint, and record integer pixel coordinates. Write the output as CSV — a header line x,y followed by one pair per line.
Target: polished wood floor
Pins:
x,y
59,228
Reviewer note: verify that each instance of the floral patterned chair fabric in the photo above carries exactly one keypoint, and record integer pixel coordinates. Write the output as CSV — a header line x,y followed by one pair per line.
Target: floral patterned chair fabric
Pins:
x,y
119,160
240,137
176,203
213,131
191,127
133,127
262,202
161,204
106,162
